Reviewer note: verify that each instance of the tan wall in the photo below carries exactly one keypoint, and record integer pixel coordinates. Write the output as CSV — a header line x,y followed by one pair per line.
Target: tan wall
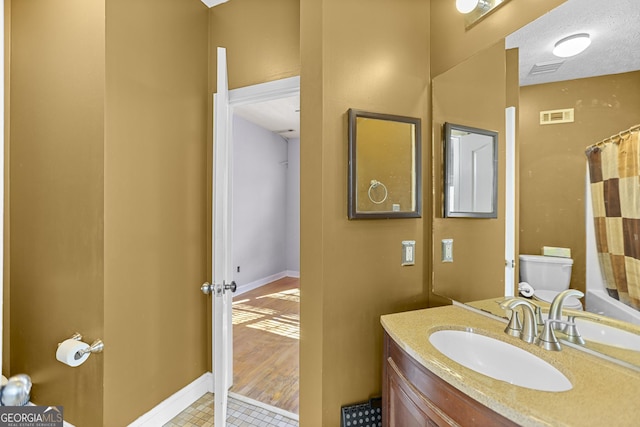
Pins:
x,y
155,196
108,201
6,289
471,94
553,163
373,58
262,40
451,43
56,229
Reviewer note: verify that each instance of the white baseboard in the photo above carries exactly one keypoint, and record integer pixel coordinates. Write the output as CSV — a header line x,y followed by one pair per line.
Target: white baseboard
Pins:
x,y
292,273
260,282
176,403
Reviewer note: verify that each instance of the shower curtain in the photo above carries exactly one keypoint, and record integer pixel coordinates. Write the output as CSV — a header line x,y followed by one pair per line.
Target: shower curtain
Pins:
x,y
614,167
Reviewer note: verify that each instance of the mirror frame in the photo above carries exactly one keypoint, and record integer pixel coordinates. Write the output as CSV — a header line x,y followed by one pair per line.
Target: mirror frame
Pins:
x,y
352,191
448,172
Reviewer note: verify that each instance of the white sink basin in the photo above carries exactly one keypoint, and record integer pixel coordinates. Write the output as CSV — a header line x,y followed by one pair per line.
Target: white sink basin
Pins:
x,y
499,360
608,335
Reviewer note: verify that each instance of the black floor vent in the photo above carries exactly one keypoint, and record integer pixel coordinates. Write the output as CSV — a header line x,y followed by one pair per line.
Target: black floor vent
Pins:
x,y
367,414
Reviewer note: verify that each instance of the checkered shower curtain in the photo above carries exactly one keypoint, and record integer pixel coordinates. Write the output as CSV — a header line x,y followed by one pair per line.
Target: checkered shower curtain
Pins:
x,y
614,167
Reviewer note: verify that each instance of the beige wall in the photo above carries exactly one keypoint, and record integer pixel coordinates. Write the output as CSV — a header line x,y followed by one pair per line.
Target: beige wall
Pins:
x,y
56,187
155,203
472,93
373,58
108,201
6,289
553,163
451,43
262,40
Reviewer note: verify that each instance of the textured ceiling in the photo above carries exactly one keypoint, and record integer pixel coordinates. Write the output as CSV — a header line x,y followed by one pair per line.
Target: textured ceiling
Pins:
x,y
614,26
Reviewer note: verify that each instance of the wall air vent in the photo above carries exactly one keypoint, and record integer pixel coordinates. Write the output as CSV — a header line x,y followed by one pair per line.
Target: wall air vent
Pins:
x,y
552,117
545,67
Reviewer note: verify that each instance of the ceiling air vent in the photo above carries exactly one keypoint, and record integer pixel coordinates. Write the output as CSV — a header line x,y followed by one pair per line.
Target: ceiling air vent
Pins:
x,y
552,117
545,67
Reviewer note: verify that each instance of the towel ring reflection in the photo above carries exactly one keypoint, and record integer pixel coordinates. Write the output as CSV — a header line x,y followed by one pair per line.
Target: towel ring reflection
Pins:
x,y
376,184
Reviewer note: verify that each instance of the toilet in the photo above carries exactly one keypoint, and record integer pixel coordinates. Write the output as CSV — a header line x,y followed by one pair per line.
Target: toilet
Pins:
x,y
548,276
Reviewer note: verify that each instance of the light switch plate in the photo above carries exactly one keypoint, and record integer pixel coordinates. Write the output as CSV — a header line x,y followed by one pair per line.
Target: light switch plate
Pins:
x,y
408,252
447,250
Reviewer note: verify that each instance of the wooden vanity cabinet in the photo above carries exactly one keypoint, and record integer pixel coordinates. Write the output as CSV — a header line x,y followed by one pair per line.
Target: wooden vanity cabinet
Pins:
x,y
414,396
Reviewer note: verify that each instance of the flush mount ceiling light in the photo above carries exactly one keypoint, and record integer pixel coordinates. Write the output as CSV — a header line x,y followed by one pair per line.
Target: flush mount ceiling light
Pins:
x,y
466,6
572,45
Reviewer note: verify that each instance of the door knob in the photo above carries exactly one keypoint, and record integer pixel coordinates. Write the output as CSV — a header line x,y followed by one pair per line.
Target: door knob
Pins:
x,y
230,287
207,288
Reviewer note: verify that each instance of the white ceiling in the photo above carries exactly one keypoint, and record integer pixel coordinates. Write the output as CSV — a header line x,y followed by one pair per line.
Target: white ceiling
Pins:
x,y
212,3
281,116
614,26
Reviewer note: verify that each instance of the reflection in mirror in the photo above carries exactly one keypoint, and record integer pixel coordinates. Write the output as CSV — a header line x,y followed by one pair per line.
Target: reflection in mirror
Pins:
x,y
471,173
601,86
384,167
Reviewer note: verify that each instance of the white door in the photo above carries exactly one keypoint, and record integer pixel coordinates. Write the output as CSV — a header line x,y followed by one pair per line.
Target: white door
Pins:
x,y
222,271
222,263
510,200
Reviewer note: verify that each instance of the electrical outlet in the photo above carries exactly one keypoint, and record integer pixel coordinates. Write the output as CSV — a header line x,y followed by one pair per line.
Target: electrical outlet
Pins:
x,y
447,250
408,252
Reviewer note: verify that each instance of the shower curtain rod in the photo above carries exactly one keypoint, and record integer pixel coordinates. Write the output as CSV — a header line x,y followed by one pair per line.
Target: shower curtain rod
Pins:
x,y
617,137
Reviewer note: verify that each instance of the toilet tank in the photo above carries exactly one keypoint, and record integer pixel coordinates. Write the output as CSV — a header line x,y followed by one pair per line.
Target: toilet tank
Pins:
x,y
546,272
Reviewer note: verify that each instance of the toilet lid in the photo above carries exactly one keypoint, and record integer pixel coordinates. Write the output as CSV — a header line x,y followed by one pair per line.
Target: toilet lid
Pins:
x,y
548,296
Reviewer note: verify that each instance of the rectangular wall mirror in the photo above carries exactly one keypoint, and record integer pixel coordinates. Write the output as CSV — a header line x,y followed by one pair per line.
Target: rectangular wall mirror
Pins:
x,y
384,166
471,172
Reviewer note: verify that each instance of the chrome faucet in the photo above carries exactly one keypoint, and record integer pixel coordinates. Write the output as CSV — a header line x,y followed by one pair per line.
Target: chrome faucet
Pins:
x,y
529,324
555,312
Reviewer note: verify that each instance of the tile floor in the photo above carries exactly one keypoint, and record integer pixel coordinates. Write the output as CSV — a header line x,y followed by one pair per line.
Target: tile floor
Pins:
x,y
241,413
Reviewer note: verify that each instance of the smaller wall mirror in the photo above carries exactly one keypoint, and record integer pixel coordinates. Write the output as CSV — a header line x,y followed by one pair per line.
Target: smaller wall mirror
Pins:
x,y
384,166
471,172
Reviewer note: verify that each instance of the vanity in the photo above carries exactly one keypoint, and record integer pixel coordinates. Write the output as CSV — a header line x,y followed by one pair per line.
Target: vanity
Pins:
x,y
423,387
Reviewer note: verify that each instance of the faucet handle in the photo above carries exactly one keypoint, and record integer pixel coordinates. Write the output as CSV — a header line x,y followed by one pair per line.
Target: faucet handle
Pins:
x,y
538,313
547,338
514,328
529,326
571,331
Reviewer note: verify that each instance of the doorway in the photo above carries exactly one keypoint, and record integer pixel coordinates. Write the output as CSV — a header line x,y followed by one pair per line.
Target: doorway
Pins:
x,y
266,245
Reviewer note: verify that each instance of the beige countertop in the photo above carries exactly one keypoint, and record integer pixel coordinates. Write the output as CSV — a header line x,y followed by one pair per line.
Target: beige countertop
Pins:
x,y
603,393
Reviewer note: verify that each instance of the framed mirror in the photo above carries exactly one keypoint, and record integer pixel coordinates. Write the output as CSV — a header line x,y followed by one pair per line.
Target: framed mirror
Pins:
x,y
471,172
384,166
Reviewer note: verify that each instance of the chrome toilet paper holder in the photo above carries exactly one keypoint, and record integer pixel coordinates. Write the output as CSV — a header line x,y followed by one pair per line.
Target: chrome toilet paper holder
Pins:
x,y
96,347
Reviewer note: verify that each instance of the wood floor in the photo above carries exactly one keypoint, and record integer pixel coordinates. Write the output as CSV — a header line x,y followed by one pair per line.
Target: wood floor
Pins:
x,y
266,336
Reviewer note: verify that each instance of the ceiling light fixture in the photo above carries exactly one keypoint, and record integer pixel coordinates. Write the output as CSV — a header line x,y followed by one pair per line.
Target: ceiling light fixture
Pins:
x,y
466,6
572,45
